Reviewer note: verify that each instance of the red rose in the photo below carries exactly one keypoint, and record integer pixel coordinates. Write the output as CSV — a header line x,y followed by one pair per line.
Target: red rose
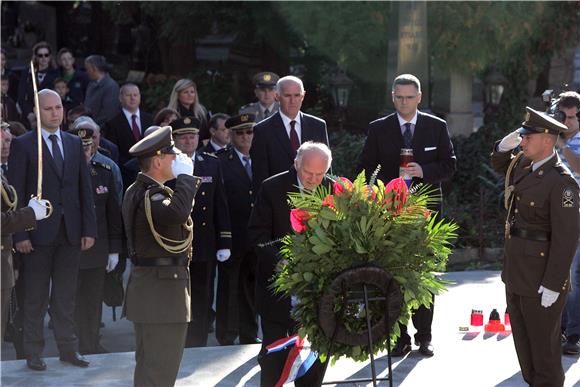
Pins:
x,y
298,219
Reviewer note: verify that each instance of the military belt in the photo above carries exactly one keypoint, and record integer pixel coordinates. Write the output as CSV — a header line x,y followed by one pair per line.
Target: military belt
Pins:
x,y
534,235
164,261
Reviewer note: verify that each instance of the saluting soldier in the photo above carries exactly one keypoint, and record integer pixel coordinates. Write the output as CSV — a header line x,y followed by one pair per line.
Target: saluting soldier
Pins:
x,y
265,91
541,238
104,255
13,220
159,233
236,314
212,233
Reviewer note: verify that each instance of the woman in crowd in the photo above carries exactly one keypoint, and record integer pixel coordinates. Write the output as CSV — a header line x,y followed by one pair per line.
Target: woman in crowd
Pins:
x,y
185,100
165,116
75,79
46,73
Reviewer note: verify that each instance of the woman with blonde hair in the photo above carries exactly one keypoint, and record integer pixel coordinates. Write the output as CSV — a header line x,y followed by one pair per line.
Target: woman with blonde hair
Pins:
x,y
185,100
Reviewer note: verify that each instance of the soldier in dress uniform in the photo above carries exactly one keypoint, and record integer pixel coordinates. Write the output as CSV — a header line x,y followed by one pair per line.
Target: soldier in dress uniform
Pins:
x,y
212,234
104,255
266,93
542,232
236,314
159,234
13,220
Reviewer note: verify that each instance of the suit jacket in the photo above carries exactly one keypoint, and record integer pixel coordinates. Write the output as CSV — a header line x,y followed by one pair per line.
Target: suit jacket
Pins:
x,y
108,211
240,196
12,221
26,89
102,98
119,132
271,150
158,294
432,149
70,194
544,200
269,221
109,149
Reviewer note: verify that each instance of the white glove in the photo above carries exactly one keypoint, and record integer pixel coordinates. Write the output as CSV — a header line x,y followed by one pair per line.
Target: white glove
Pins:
x,y
113,261
509,142
548,296
40,207
182,165
223,255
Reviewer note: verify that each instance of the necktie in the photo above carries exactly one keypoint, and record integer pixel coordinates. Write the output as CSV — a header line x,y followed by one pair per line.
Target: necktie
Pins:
x,y
56,154
266,113
135,128
247,166
407,135
294,141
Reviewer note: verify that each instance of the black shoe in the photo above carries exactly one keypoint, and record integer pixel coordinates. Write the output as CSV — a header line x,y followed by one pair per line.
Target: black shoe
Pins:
x,y
75,359
426,349
401,349
255,340
572,346
36,363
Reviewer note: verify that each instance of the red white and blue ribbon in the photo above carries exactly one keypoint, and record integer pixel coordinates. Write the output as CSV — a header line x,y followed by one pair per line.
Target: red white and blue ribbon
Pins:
x,y
299,360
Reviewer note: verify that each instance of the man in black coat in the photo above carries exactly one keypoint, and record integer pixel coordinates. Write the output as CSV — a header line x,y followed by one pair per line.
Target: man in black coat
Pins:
x,y
277,138
270,221
104,255
235,314
434,162
127,127
212,236
52,251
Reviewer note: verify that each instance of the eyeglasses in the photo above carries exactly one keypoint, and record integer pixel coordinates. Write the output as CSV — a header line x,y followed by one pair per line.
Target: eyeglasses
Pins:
x,y
43,55
242,132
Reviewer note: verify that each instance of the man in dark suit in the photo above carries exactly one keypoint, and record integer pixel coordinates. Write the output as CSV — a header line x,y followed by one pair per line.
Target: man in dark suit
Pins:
x,y
236,278
127,127
270,221
102,92
277,138
434,162
212,236
220,135
52,251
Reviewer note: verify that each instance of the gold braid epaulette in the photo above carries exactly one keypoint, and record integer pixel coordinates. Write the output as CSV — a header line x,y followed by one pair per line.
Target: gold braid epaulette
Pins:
x,y
508,189
10,204
170,245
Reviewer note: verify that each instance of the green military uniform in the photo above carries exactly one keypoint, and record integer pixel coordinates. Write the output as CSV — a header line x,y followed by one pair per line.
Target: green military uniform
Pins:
x,y
542,230
264,80
13,220
159,228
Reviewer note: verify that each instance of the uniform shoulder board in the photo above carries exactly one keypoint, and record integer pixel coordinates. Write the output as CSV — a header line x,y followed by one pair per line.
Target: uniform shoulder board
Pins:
x,y
210,155
102,165
156,194
562,170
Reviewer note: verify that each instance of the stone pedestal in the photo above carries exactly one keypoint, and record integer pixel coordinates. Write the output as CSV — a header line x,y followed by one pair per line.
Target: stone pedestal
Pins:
x,y
460,117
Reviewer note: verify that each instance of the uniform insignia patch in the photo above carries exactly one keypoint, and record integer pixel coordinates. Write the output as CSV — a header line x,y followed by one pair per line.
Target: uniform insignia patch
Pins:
x,y
568,200
206,179
157,197
102,190
166,202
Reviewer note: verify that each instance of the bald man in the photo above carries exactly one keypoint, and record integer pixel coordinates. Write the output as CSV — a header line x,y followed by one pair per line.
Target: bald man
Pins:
x,y
50,254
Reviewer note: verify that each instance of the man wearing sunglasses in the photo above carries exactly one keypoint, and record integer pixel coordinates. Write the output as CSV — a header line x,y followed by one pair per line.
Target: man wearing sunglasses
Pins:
x,y
235,294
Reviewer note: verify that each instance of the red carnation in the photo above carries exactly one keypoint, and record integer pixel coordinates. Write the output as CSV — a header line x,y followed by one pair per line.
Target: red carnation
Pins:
x,y
298,219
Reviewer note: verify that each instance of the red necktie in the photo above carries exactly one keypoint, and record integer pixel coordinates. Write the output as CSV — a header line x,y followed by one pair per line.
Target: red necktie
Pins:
x,y
135,128
294,141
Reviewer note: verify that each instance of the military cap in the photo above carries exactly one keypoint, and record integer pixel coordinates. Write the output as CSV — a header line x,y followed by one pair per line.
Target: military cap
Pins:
x,y
85,133
241,121
185,125
538,122
156,143
266,79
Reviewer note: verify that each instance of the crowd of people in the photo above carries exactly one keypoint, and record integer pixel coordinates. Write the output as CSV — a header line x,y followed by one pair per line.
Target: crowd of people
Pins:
x,y
190,197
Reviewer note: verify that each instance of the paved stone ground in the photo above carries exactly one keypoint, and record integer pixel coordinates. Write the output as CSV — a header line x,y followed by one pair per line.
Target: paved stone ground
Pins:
x,y
460,360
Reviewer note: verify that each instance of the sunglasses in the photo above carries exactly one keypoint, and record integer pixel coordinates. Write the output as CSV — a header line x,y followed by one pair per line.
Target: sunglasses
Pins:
x,y
242,132
43,55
